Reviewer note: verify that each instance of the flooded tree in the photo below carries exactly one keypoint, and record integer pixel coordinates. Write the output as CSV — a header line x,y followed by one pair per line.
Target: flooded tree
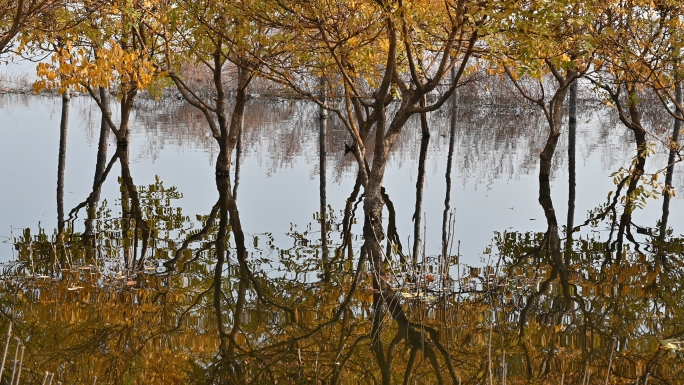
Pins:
x,y
219,37
149,294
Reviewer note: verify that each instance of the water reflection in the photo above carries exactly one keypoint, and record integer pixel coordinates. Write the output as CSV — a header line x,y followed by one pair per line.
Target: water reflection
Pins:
x,y
226,319
145,297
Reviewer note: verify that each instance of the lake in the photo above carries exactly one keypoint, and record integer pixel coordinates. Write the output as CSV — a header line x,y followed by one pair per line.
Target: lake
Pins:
x,y
165,273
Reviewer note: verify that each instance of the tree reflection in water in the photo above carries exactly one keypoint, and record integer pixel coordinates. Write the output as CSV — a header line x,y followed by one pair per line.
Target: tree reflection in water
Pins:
x,y
151,297
205,306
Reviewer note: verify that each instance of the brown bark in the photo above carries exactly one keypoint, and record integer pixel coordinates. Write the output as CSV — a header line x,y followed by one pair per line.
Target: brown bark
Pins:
x,y
631,118
554,117
420,184
670,163
572,135
450,158
63,128
100,164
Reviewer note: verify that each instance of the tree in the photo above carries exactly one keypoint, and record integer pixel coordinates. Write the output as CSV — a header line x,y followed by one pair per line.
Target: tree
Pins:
x,y
210,35
25,16
374,53
639,49
544,50
116,49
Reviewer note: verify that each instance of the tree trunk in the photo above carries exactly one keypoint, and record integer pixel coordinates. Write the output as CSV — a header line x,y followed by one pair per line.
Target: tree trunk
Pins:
x,y
450,159
100,164
555,118
572,134
420,184
238,143
229,134
670,164
322,131
63,128
223,185
636,173
104,137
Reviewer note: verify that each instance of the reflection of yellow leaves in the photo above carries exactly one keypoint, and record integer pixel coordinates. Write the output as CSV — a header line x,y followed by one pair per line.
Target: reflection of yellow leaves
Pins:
x,y
419,295
672,344
75,288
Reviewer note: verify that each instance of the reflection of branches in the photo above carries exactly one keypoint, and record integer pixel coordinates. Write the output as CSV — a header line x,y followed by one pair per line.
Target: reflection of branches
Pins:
x,y
96,189
610,208
140,223
392,234
339,367
194,237
413,333
349,214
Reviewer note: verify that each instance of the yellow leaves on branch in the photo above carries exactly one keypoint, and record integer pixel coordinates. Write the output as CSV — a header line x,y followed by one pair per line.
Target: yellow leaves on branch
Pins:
x,y
104,67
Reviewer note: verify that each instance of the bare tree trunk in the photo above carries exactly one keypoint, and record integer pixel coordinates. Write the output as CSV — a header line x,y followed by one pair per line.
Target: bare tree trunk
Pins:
x,y
322,132
223,185
238,143
639,167
450,158
572,135
230,133
63,127
670,164
545,162
101,162
420,183
104,137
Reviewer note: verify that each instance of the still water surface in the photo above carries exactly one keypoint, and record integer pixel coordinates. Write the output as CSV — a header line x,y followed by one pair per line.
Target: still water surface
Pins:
x,y
107,302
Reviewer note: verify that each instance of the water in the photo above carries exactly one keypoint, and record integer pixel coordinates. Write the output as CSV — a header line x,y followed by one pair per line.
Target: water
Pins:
x,y
293,311
494,172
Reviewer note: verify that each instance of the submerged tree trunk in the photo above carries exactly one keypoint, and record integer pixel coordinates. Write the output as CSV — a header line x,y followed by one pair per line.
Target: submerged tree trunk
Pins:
x,y
670,164
63,127
572,135
223,185
322,132
238,142
554,117
100,164
633,122
420,184
348,219
450,159
229,133
553,111
103,143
